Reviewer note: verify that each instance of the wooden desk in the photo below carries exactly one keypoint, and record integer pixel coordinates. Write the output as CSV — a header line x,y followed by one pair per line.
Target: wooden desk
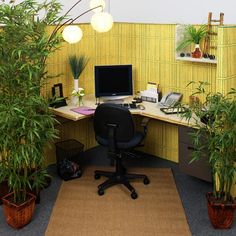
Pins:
x,y
161,140
152,110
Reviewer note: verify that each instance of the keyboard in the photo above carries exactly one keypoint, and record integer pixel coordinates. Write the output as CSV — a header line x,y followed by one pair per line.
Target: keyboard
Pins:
x,y
128,105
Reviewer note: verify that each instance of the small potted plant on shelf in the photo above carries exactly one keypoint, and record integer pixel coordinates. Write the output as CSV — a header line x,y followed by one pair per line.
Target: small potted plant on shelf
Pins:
x,y
26,122
215,135
192,35
77,65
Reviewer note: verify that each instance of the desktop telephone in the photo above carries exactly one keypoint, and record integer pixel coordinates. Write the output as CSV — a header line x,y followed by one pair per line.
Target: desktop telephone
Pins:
x,y
169,99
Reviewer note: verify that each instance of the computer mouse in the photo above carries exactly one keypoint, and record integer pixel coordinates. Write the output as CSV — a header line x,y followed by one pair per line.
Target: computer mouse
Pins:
x,y
141,107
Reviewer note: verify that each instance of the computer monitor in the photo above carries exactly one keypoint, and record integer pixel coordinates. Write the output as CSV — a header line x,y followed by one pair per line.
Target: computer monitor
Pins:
x,y
113,81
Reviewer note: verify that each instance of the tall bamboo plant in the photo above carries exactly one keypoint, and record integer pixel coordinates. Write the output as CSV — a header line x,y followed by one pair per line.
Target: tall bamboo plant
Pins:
x,y
26,122
215,135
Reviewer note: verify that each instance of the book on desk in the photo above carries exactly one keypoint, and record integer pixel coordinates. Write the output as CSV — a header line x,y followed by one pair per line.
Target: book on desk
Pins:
x,y
83,110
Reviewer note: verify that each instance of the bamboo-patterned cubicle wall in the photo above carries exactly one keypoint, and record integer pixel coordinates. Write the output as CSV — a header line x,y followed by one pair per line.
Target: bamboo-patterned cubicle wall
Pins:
x,y
226,66
150,48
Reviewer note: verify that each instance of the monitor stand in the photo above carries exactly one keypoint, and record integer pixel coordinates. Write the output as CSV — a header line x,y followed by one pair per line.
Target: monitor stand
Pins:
x,y
107,100
114,101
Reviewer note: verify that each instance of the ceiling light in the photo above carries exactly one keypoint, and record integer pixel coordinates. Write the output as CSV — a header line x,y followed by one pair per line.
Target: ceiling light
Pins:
x,y
72,34
102,21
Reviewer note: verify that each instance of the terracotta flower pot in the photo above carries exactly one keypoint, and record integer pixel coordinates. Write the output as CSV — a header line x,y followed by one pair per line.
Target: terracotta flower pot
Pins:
x,y
221,214
20,215
4,190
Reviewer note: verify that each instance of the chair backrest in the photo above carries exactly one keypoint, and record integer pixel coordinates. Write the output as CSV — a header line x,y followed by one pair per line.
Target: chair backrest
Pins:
x,y
113,114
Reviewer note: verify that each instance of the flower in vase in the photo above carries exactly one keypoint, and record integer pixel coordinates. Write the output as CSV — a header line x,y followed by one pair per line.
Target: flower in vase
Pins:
x,y
78,96
79,93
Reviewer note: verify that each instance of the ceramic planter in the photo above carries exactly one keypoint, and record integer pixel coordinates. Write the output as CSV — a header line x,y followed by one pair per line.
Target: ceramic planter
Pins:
x,y
197,52
221,214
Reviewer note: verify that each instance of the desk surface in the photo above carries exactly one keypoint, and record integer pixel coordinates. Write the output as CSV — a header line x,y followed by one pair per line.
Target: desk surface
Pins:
x,y
151,110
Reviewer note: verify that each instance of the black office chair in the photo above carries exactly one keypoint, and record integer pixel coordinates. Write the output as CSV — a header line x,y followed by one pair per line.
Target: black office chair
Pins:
x,y
114,128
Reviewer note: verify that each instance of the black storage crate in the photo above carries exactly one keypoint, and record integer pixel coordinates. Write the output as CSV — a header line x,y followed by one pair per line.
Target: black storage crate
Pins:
x,y
70,150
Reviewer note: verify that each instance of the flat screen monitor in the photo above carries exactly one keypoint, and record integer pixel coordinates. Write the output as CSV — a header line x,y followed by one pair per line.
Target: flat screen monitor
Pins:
x,y
113,81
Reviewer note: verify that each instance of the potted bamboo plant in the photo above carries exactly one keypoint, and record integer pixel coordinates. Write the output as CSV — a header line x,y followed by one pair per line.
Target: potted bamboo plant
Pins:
x,y
26,122
77,65
215,135
192,35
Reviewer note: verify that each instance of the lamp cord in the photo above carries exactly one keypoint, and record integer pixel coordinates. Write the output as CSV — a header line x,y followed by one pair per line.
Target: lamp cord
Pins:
x,y
70,21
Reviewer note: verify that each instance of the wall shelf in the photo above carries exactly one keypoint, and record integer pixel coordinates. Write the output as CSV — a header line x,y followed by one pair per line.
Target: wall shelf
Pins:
x,y
196,60
179,36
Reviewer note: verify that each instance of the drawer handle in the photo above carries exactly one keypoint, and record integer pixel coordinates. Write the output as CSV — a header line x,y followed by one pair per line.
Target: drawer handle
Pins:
x,y
192,148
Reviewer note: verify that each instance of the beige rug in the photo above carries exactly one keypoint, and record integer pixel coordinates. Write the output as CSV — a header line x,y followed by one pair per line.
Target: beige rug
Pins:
x,y
158,210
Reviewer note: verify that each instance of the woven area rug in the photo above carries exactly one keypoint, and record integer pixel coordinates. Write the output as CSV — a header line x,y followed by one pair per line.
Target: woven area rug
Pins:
x,y
158,210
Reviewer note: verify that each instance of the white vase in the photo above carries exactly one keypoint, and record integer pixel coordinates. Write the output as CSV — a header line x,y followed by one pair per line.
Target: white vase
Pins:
x,y
76,84
75,99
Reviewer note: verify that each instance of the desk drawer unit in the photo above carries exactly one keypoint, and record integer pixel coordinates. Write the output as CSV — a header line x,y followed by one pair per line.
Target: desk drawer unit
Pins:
x,y
199,168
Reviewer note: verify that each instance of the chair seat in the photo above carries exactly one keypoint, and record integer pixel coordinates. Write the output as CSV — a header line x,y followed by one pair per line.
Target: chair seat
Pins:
x,y
135,141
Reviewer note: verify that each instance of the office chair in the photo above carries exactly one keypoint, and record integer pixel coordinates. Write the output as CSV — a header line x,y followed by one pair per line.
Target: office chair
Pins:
x,y
114,128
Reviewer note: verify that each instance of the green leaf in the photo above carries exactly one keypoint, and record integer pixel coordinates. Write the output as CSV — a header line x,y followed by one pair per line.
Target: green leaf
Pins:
x,y
192,36
77,65
26,123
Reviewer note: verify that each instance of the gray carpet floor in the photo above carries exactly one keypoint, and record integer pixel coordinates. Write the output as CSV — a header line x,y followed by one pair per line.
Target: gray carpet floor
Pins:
x,y
192,192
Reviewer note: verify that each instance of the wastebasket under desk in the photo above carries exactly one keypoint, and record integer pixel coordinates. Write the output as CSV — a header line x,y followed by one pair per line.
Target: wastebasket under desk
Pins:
x,y
71,150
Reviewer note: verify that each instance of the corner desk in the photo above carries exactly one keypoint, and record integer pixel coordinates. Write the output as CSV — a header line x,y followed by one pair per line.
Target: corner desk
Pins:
x,y
167,135
152,110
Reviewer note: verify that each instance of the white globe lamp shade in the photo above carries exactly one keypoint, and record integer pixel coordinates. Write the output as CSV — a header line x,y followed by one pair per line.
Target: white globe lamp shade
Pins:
x,y
72,34
96,3
102,21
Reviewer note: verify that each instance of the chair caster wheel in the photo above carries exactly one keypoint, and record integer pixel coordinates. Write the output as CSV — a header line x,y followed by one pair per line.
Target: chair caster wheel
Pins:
x,y
100,192
97,176
100,187
146,181
134,195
